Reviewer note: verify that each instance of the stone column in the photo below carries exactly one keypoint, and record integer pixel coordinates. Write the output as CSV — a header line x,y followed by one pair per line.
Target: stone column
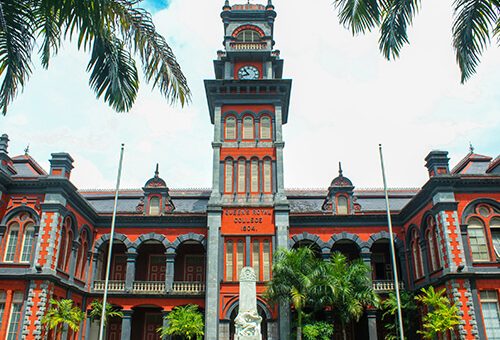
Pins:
x,y
127,324
166,324
130,273
213,272
88,325
366,256
425,258
170,270
72,260
372,324
282,225
93,278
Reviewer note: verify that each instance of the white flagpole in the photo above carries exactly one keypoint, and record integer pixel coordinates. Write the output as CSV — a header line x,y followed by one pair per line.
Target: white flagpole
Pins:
x,y
393,252
111,237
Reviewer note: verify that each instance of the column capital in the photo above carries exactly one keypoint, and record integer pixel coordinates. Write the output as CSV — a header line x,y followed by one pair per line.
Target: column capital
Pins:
x,y
127,313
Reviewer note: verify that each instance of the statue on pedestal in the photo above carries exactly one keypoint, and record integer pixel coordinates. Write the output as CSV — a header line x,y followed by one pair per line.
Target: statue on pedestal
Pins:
x,y
247,322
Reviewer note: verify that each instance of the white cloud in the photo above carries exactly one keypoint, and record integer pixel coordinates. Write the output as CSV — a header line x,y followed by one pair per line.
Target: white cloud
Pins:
x,y
345,100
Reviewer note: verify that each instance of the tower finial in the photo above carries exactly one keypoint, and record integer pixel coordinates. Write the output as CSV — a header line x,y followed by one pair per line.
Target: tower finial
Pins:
x,y
471,148
270,4
157,171
27,150
226,6
340,169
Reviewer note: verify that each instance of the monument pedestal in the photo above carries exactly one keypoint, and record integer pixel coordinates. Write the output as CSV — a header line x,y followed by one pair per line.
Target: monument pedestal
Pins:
x,y
247,322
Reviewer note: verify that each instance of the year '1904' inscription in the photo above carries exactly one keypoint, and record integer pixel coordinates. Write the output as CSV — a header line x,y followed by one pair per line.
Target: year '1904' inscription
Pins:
x,y
248,219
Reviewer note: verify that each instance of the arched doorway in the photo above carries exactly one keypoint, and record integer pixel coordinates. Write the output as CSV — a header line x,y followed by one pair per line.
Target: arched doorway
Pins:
x,y
146,319
347,247
307,243
266,326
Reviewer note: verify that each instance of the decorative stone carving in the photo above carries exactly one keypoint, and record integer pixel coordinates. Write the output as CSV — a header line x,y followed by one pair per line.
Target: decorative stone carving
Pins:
x,y
247,323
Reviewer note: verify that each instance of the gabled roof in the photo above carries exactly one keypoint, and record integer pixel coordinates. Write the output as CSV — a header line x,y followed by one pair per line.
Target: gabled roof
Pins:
x,y
472,163
27,167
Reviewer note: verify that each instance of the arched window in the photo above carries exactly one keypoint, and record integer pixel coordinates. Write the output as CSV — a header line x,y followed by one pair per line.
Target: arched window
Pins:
x,y
417,255
240,258
154,206
477,240
230,128
256,258
15,316
495,235
248,36
241,176
66,245
433,246
254,176
82,255
265,128
228,176
28,243
20,240
267,176
247,128
342,205
229,260
3,298
266,263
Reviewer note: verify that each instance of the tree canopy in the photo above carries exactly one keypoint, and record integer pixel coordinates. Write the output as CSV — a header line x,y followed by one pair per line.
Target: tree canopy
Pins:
x,y
475,23
113,31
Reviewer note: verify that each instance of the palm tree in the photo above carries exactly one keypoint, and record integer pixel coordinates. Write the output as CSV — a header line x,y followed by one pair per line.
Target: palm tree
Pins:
x,y
185,321
96,311
62,312
295,274
475,23
347,288
112,30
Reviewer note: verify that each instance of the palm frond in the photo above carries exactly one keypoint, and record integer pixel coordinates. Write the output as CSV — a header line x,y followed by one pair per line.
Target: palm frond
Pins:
x,y
113,72
16,45
47,18
158,60
397,16
358,15
471,32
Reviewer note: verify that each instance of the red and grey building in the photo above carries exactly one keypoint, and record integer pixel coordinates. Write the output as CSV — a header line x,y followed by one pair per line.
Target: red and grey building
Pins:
x,y
174,247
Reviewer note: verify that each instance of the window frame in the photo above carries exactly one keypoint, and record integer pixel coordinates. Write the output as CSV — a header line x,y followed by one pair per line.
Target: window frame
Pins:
x,y
21,222
343,197
267,180
241,183
245,32
270,128
482,227
488,300
228,182
254,171
150,206
226,129
247,129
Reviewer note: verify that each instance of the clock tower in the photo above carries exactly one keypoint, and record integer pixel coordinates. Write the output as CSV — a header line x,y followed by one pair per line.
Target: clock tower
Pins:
x,y
248,210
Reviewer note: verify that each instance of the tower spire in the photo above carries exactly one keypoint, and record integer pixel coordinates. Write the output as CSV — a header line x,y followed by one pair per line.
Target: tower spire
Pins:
x,y
340,169
157,171
227,6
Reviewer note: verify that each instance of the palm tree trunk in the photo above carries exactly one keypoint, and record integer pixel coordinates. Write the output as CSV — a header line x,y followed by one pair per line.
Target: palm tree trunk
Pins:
x,y
299,324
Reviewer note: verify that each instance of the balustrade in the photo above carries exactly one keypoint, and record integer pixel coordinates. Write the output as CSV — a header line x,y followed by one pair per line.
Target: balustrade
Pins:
x,y
153,287
188,287
113,286
384,286
149,287
248,45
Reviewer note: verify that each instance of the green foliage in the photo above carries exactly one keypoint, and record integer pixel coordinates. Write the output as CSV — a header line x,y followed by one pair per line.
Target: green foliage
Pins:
x,y
113,30
441,316
62,312
296,273
318,331
390,311
475,22
347,288
96,311
185,321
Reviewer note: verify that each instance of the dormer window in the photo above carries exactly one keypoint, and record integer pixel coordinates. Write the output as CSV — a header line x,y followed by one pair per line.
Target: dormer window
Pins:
x,y
154,206
248,36
342,205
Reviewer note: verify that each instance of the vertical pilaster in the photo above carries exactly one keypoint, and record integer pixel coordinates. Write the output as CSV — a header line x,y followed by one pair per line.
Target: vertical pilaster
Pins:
x,y
127,324
170,270
371,315
366,256
213,277
282,228
88,325
166,324
216,146
95,259
130,273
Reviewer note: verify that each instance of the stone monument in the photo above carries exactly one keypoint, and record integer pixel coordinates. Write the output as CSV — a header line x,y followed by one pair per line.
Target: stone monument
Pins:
x,y
247,323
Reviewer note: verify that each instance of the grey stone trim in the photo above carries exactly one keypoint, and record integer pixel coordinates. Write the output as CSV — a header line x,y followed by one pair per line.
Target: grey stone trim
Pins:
x,y
18,210
476,307
151,237
189,237
260,303
469,209
346,236
89,235
117,236
307,237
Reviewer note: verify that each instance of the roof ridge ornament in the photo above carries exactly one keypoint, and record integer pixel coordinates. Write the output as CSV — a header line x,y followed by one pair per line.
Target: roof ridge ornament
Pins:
x,y
270,4
471,148
227,6
27,150
157,172
340,170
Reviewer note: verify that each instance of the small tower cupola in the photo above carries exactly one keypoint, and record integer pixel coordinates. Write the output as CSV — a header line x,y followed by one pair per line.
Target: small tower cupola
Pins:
x,y
156,200
437,163
340,193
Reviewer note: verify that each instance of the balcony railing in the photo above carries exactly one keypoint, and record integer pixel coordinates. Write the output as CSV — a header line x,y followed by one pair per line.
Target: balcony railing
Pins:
x,y
148,287
113,286
385,286
252,46
153,287
193,288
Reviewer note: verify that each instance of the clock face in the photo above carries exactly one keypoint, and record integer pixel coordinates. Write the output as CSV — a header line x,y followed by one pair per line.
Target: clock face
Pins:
x,y
248,73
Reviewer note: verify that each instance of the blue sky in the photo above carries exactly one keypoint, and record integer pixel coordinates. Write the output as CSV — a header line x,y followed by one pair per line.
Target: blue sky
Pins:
x,y
346,99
